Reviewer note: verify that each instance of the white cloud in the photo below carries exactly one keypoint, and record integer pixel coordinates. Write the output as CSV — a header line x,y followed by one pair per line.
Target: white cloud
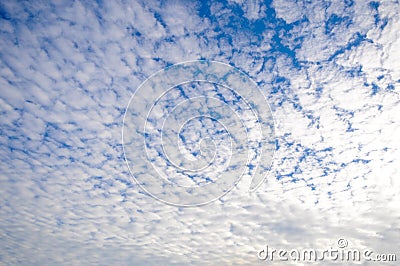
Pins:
x,y
68,70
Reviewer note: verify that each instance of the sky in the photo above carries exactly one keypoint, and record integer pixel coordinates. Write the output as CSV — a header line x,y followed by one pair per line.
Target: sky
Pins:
x,y
100,101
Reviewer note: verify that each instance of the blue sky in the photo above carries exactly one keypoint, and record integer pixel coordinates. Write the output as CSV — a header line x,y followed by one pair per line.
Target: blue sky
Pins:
x,y
330,73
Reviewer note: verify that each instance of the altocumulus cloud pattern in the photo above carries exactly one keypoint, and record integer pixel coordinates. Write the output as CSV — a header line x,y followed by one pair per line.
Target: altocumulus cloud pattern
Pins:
x,y
330,71
192,130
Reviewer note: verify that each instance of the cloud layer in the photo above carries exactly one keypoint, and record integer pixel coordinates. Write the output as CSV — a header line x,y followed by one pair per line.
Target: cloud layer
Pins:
x,y
330,72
